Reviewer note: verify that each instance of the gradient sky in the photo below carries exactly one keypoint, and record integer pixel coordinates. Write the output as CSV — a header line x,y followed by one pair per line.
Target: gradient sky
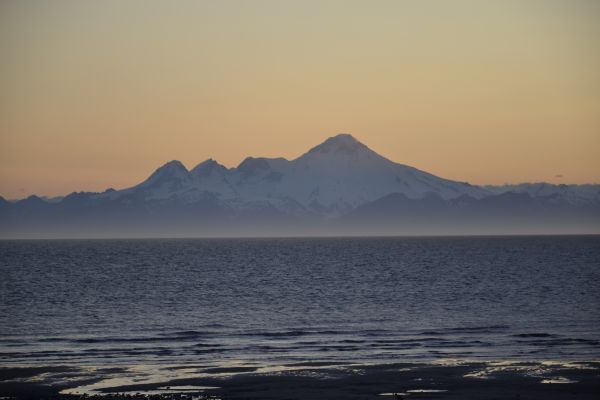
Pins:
x,y
99,94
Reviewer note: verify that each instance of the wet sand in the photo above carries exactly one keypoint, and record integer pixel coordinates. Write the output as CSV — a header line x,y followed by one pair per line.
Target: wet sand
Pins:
x,y
410,381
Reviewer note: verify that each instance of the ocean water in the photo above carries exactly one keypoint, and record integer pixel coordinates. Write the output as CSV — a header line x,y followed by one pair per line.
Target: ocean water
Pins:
x,y
218,302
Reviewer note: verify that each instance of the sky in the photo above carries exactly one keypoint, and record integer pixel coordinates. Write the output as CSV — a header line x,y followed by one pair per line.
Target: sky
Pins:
x,y
98,94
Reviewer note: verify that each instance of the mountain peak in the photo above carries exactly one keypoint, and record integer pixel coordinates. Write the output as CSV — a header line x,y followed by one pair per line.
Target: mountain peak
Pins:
x,y
173,165
342,139
204,164
207,167
251,164
340,143
343,136
33,200
172,170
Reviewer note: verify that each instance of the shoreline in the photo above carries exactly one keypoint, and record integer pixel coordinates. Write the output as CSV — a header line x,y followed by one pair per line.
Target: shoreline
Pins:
x,y
320,381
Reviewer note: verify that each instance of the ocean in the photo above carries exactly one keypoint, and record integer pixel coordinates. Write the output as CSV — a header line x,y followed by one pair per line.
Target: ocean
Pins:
x,y
278,302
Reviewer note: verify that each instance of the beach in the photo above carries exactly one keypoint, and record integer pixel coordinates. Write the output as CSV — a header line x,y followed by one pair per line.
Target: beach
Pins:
x,y
451,380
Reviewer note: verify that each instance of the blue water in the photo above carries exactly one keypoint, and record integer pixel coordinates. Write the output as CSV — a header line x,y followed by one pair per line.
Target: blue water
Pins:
x,y
278,301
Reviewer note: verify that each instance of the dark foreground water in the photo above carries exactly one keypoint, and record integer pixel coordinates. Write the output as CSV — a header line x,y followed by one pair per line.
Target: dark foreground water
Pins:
x,y
275,302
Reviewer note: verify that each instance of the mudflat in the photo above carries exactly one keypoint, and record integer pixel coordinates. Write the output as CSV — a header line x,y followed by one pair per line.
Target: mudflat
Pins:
x,y
526,380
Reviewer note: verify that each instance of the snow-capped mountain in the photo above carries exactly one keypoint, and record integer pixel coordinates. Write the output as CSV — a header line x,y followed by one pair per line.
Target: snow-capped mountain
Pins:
x,y
338,187
330,179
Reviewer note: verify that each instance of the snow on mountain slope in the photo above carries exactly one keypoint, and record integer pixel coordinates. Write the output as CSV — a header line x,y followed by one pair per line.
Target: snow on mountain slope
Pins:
x,y
338,175
330,179
344,173
168,180
210,176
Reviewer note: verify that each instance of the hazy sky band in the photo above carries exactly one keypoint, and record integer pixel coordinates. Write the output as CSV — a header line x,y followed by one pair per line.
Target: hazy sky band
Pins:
x,y
99,94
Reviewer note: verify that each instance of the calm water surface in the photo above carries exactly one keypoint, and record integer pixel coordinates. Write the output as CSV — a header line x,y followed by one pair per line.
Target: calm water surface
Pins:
x,y
276,301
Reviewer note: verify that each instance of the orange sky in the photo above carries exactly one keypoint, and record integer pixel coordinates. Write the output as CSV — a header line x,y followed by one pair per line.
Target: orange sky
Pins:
x,y
99,94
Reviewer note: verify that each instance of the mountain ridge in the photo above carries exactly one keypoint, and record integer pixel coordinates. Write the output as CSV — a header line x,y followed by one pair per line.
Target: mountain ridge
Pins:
x,y
339,182
336,175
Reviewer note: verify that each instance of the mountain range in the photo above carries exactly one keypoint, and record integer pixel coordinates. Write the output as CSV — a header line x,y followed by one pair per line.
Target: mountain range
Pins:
x,y
338,187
